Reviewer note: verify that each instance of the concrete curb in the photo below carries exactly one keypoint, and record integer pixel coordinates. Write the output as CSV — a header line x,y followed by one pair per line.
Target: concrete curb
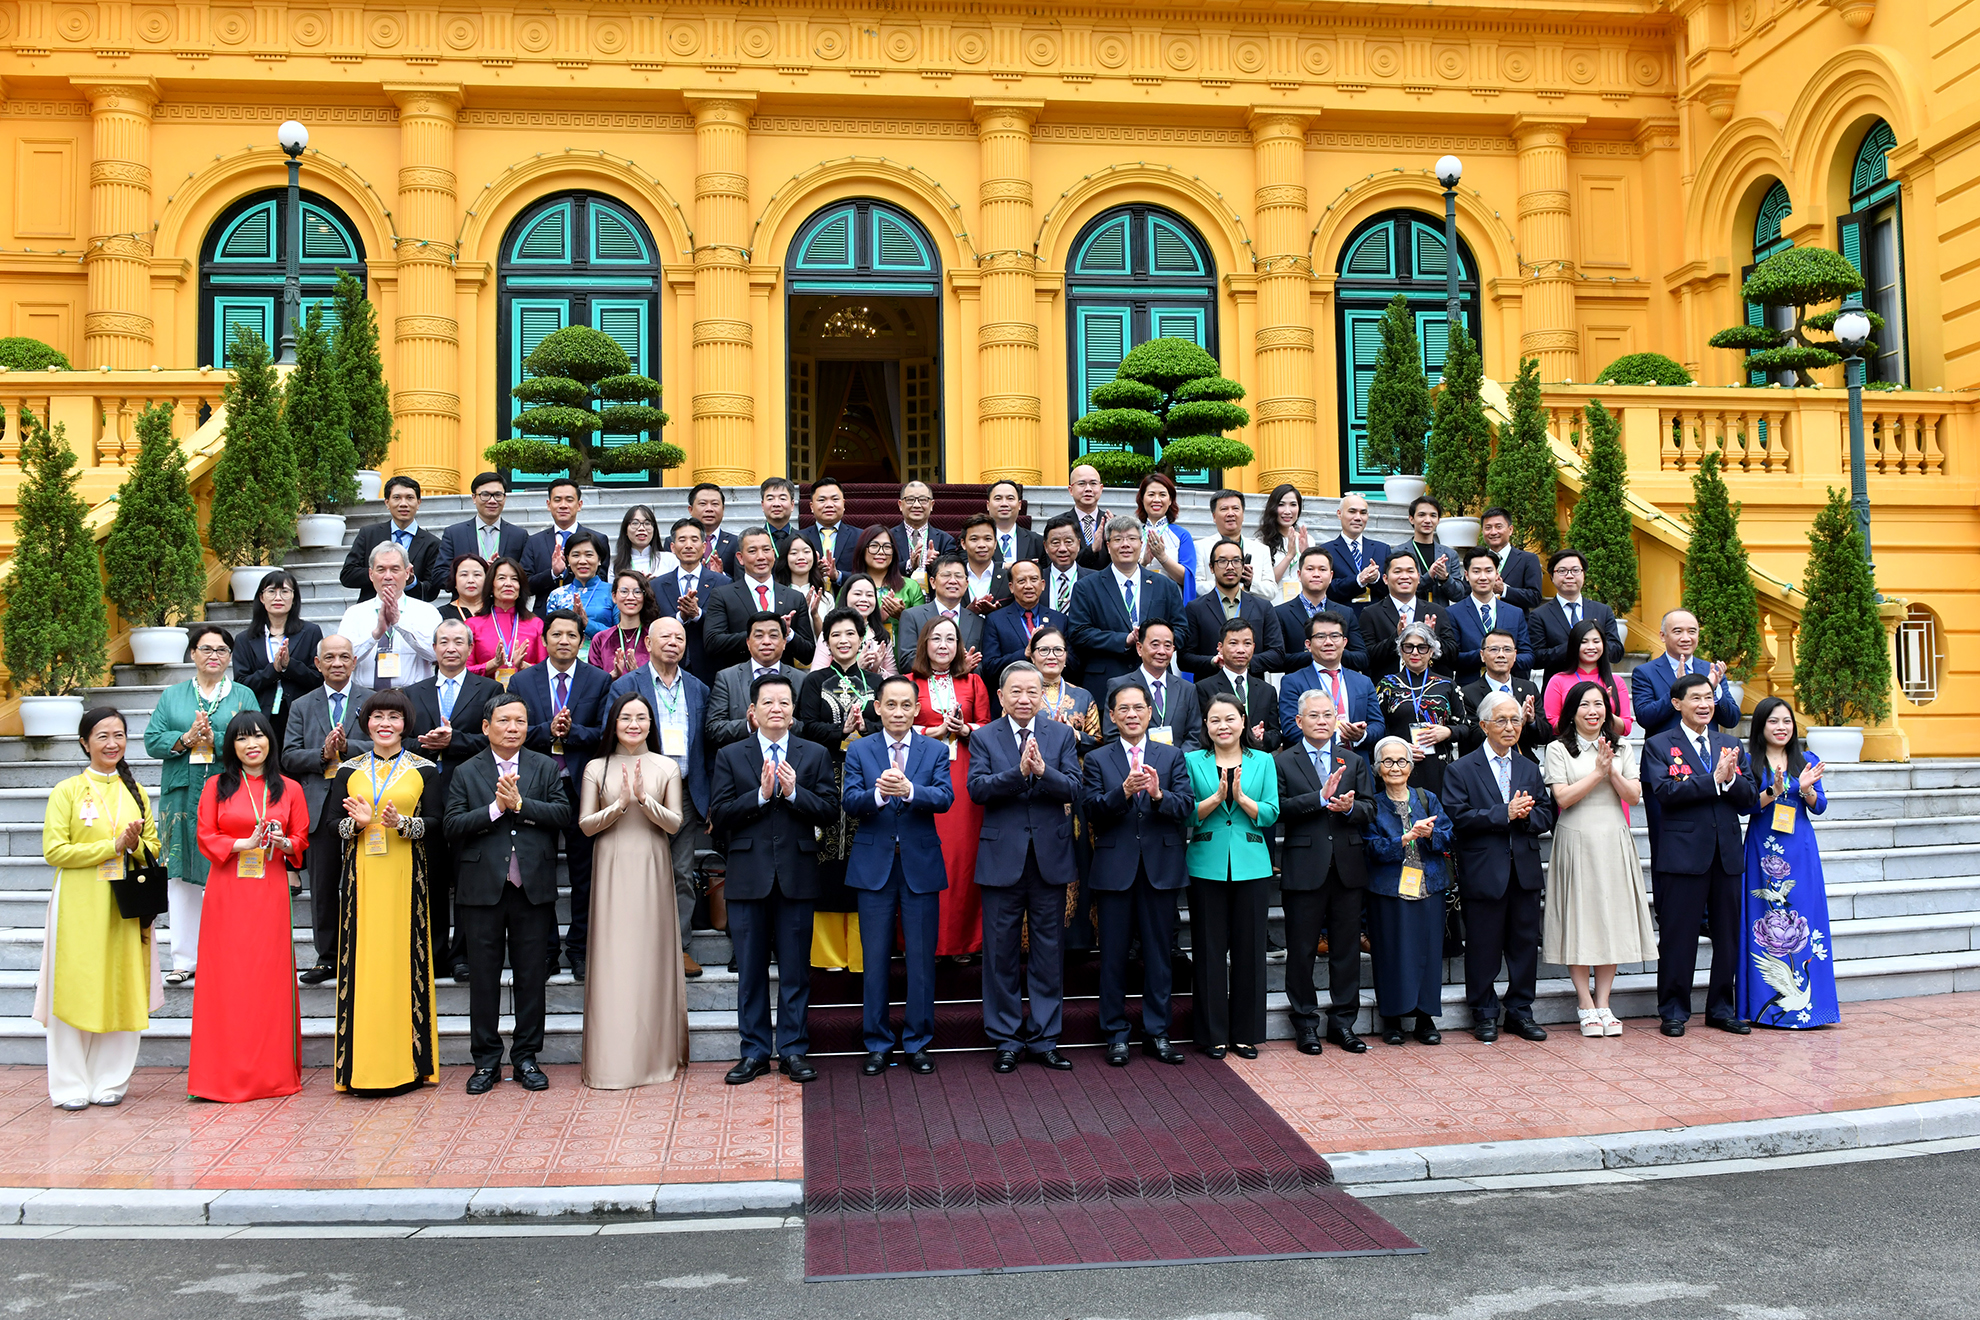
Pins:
x,y
1858,1129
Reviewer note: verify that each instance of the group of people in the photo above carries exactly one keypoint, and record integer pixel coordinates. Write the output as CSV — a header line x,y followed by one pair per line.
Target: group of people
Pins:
x,y
1003,746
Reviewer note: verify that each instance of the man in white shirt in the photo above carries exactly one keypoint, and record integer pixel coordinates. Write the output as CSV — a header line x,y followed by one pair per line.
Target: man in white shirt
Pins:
x,y
392,633
1227,511
1013,542
979,547
828,534
1062,567
1090,521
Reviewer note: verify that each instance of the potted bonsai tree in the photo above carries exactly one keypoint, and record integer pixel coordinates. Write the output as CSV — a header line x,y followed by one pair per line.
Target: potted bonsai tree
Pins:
x,y
1797,278
1842,664
1460,445
570,372
152,567
254,484
1169,403
319,425
1718,585
1522,477
361,377
1600,527
56,628
1399,412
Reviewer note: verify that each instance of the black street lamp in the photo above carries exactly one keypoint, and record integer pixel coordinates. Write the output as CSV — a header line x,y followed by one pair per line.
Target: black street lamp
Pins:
x,y
1852,331
1449,170
293,137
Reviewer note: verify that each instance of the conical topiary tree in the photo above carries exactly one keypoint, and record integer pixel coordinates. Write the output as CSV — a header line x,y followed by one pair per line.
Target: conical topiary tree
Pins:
x,y
1172,392
1842,666
56,627
1399,412
361,373
254,484
1523,476
1460,436
570,370
319,421
1799,277
1718,584
1599,526
152,567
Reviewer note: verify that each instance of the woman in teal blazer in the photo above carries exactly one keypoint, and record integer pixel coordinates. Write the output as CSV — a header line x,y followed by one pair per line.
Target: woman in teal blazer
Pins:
x,y
1237,800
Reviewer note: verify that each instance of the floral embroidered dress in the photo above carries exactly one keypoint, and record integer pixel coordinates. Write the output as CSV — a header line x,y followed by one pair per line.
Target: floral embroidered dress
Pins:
x,y
1787,976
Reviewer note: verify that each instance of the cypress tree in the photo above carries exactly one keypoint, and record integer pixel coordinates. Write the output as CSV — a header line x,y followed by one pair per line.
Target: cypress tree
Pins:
x,y
1460,437
254,484
56,626
1523,476
319,421
1599,526
1399,412
1718,586
153,570
1842,667
361,374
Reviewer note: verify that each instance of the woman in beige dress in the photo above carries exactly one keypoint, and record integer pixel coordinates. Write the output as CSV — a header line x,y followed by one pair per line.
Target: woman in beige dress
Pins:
x,y
635,998
1597,915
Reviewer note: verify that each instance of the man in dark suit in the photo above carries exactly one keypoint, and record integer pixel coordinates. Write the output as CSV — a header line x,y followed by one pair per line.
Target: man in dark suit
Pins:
x,y
1176,719
1109,609
1499,807
543,554
1225,600
729,700
567,701
947,581
1326,799
1498,654
486,534
1358,716
448,743
1404,603
1357,559
1024,773
753,592
896,784
684,593
1483,612
1062,567
1007,631
708,504
1316,574
1137,803
1550,625
1518,570
1014,543
1235,673
917,545
777,497
832,539
767,811
1653,683
322,732
1083,486
505,808
1700,779
430,571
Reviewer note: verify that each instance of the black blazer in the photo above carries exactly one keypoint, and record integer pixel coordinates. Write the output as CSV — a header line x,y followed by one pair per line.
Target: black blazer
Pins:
x,y
1135,834
729,542
1203,626
728,701
1329,838
1492,850
1099,622
1261,704
1293,655
1521,575
1695,819
470,710
725,634
1028,544
774,845
843,546
590,694
253,671
536,562
667,591
1547,632
1533,739
1381,645
429,579
939,543
460,539
482,847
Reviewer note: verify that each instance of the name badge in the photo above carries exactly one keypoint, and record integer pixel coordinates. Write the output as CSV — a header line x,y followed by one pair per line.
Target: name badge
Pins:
x,y
1364,597
1783,818
673,741
110,869
503,675
201,755
557,748
250,865
1420,735
374,841
1412,882
88,813
1162,733
387,665
953,746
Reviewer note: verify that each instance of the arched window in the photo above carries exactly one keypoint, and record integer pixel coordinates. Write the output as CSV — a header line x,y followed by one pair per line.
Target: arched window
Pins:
x,y
577,259
240,266
1397,252
1137,273
1767,240
1872,237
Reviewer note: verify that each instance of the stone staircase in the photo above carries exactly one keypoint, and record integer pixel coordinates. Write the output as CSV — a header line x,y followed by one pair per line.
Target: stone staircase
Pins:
x,y
1898,849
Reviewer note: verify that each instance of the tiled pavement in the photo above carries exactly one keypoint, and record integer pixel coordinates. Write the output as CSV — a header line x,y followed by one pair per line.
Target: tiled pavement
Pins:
x,y
698,1130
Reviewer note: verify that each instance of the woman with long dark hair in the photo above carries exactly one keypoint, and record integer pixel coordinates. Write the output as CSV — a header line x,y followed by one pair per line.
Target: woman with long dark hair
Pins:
x,y
1284,536
876,650
1166,548
98,983
246,1026
621,648
874,556
638,548
1590,650
1787,972
275,655
954,704
799,566
507,637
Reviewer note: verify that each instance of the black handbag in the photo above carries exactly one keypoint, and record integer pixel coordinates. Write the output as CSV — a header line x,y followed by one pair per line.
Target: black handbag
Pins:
x,y
140,891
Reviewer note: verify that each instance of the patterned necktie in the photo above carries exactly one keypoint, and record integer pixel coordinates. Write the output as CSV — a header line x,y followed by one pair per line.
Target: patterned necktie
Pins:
x,y
1322,764
447,699
1009,552
900,757
1158,690
1065,590
1574,614
1704,751
1491,616
829,536
1127,599
1340,701
1502,767
563,697
1134,760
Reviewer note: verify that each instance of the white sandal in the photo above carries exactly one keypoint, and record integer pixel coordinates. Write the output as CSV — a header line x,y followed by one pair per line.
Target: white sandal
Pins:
x,y
1591,1021
1611,1024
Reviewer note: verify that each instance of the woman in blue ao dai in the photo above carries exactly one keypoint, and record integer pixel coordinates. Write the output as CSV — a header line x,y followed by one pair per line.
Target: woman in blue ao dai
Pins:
x,y
1787,975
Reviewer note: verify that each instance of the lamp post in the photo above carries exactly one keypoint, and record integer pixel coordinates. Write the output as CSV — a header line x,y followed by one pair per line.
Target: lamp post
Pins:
x,y
1449,170
293,137
1852,331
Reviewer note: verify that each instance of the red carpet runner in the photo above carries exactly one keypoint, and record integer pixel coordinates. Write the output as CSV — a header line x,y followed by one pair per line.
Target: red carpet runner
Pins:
x,y
963,1172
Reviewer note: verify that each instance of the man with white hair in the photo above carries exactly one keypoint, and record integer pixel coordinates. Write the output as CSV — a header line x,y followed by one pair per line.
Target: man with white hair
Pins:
x,y
392,633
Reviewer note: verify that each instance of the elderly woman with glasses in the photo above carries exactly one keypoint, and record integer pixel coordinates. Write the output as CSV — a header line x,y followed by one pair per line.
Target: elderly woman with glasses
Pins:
x,y
1407,878
1425,703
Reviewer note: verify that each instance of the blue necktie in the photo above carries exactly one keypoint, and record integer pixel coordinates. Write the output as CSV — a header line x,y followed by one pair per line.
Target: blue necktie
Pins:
x,y
1127,601
447,700
336,710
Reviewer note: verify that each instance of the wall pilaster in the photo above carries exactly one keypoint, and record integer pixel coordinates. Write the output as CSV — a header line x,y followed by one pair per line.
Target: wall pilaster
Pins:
x,y
1284,417
117,327
1008,408
1547,314
723,404
427,401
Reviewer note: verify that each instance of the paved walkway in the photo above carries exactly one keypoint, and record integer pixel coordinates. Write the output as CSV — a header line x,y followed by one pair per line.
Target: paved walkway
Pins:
x,y
698,1130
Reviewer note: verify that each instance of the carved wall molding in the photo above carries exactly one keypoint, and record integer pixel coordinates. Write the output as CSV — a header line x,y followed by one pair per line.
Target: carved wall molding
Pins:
x,y
830,126
1166,135
1599,147
1345,140
46,109
472,117
205,113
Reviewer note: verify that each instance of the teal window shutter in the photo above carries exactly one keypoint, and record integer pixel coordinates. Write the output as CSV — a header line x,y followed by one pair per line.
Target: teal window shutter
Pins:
x,y
256,314
547,240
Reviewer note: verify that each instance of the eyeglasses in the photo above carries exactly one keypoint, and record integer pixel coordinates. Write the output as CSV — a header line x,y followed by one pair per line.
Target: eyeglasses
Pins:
x,y
1394,762
1048,650
917,499
212,650
1505,721
1414,648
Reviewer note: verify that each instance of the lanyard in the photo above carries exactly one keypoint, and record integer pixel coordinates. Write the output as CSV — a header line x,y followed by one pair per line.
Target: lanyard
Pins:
x,y
378,792
260,809
668,698
848,688
112,800
1414,692
212,708
508,644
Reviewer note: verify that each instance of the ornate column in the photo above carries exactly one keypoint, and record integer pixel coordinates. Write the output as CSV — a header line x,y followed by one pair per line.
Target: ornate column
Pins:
x,y
117,325
1547,328
1009,431
723,406
1284,415
427,402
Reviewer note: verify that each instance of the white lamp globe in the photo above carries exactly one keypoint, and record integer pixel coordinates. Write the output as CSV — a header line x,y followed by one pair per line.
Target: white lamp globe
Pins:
x,y
1852,330
293,137
1449,170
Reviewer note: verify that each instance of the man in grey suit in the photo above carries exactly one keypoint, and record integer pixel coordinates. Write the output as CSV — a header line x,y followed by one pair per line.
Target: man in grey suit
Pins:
x,y
729,699
949,580
321,734
1176,718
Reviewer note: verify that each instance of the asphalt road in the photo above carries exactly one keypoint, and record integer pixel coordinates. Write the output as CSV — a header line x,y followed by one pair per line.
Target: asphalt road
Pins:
x,y
1843,1242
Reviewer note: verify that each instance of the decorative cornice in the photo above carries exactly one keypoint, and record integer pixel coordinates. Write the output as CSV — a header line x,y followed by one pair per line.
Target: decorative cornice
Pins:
x,y
833,126
209,113
1162,134
1420,143
622,119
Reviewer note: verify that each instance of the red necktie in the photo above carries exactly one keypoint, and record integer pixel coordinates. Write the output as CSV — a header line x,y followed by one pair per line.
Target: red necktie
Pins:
x,y
1027,623
763,597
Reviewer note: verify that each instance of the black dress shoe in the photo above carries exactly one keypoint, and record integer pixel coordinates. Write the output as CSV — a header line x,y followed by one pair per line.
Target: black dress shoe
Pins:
x,y
1737,1026
461,973
797,1068
1158,1047
1006,1061
874,1064
317,975
921,1062
1309,1041
746,1071
1215,1051
1054,1060
1245,1051
552,967
1526,1029
1427,1033
1347,1040
531,1076
1487,1032
1671,1027
577,968
483,1081
1392,1033
1117,1054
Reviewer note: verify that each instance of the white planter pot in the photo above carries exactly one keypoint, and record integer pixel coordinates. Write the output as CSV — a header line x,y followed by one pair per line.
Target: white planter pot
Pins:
x,y
1401,490
1738,689
246,580
320,531
1459,533
51,717
158,646
371,485
1835,744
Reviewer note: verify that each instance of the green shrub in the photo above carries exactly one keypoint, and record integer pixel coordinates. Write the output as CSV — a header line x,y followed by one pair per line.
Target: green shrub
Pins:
x,y
319,422
255,497
1643,369
361,373
1599,527
1718,584
1799,277
153,570
20,353
569,371
1842,665
1172,392
1460,436
1523,476
1399,412
56,627
1119,467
